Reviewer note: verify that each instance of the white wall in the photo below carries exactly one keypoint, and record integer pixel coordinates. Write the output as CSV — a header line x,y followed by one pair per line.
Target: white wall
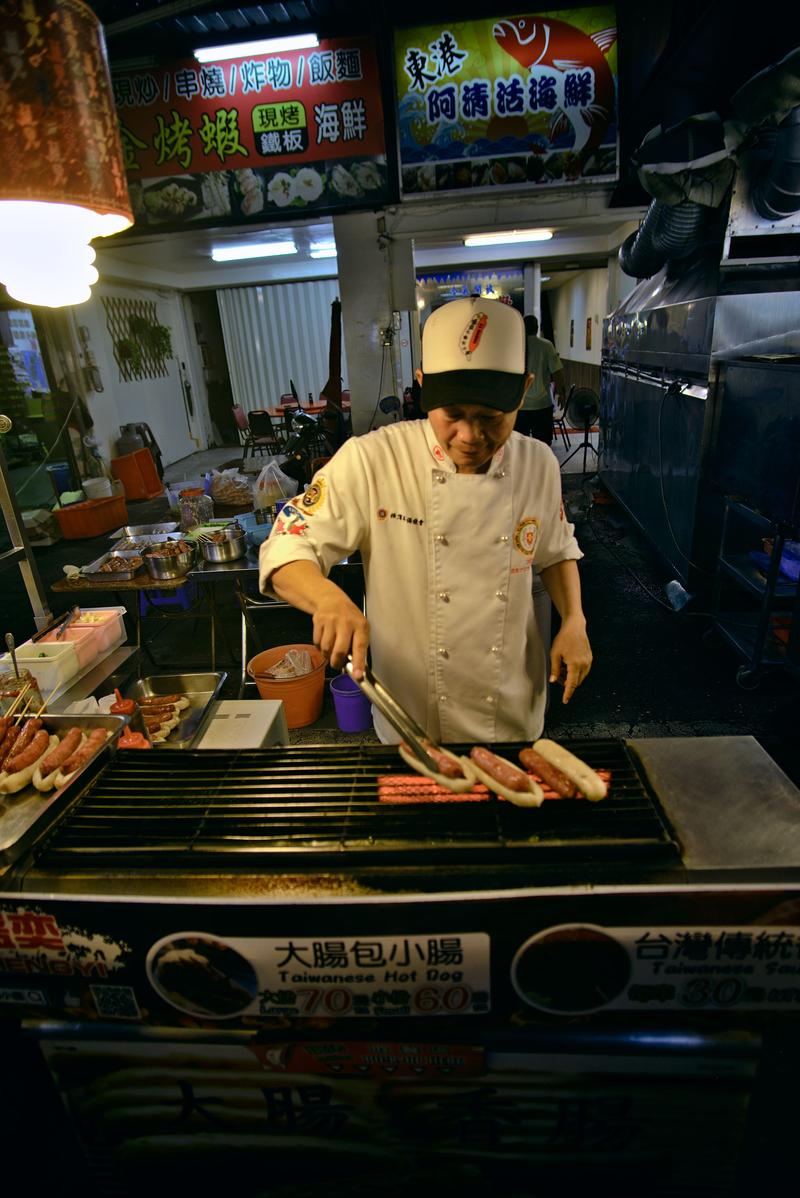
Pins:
x,y
157,402
582,297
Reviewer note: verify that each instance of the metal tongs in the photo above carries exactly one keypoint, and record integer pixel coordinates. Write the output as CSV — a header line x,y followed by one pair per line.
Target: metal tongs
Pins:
x,y
414,736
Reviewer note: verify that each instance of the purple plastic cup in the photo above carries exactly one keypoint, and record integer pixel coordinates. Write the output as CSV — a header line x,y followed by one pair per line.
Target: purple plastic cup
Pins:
x,y
353,708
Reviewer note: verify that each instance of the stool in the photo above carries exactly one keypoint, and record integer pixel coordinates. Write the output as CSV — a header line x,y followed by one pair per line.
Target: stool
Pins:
x,y
184,597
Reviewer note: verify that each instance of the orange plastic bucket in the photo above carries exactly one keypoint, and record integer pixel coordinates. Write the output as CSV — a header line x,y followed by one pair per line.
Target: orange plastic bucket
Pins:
x,y
301,697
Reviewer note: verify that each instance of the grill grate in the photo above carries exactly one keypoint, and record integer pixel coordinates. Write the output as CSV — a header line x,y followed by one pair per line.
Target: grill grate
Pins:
x,y
316,803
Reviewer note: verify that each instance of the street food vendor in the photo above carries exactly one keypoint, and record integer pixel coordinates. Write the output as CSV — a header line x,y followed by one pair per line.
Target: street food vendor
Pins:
x,y
454,517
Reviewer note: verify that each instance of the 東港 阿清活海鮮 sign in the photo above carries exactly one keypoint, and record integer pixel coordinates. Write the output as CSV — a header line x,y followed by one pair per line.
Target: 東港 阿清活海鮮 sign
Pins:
x,y
508,100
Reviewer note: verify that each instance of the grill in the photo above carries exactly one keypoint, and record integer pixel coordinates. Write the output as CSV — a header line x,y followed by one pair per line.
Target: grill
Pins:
x,y
301,806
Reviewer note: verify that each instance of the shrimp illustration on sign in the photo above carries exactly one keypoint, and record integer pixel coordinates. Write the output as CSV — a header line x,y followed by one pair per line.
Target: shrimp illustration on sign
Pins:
x,y
547,47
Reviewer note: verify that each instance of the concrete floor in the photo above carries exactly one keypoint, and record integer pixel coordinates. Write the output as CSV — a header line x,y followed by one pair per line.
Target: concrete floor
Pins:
x,y
655,673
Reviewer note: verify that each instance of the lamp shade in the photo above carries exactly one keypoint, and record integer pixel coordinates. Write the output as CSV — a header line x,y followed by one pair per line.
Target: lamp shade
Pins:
x,y
63,178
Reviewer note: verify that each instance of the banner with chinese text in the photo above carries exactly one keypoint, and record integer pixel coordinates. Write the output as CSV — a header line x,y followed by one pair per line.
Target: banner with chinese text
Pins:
x,y
505,101
254,138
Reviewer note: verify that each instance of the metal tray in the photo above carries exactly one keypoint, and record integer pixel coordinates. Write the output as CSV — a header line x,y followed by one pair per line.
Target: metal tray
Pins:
x,y
24,816
143,530
131,544
200,689
93,573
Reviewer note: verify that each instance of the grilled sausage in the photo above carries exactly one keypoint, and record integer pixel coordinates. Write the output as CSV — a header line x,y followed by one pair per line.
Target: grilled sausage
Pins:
x,y
585,778
62,752
448,764
7,747
20,766
506,779
548,773
5,724
82,754
458,783
29,730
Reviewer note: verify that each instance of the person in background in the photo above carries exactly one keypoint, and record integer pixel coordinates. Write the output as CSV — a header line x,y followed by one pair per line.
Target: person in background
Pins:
x,y
535,418
457,517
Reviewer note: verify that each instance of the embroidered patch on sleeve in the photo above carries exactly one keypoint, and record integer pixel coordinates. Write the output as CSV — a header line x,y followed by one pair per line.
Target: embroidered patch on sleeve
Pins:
x,y
314,497
525,535
290,521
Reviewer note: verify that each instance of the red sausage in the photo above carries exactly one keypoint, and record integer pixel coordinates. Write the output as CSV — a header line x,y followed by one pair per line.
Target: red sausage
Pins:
x,y
30,754
29,730
548,773
444,764
5,724
62,752
7,747
86,751
500,770
160,701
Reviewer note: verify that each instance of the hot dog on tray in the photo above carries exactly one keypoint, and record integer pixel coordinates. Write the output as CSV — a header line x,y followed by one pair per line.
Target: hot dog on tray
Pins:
x,y
456,773
506,779
48,767
587,781
21,763
81,755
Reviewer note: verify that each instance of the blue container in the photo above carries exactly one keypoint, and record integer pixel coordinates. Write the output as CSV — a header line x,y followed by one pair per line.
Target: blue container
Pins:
x,y
61,476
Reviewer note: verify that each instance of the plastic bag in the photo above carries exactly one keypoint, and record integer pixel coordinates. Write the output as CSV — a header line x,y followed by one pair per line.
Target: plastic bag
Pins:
x,y
294,664
230,488
271,485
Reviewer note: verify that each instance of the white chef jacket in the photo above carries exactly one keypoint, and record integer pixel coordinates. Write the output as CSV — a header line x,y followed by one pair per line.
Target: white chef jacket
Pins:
x,y
448,561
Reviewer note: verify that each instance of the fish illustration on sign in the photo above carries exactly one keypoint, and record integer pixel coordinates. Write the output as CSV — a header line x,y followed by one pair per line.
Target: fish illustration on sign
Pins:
x,y
547,47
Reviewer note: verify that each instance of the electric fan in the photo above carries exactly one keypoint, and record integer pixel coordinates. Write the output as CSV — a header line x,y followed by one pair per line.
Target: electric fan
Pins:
x,y
581,410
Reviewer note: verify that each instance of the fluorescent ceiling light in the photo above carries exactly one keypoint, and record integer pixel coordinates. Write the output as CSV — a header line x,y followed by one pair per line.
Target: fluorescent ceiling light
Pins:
x,y
270,45
514,237
260,249
327,253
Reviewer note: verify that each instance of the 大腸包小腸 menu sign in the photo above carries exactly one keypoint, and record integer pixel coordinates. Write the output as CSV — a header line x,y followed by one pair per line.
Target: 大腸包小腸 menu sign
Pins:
x,y
254,138
504,101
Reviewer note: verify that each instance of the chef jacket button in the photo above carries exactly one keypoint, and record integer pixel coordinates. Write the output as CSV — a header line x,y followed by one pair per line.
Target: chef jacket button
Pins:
x,y
504,540
495,649
490,699
444,596
441,538
441,478
501,595
500,474
442,698
443,653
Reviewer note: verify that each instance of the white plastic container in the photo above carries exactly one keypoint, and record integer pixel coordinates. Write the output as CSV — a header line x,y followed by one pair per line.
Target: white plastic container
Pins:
x,y
51,664
108,623
96,488
85,640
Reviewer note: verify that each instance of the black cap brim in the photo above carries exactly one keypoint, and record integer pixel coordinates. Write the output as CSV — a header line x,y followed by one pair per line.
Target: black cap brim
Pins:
x,y
488,388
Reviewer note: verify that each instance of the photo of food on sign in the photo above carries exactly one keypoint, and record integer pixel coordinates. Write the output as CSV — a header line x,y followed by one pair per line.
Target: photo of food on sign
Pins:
x,y
500,102
202,975
180,198
324,185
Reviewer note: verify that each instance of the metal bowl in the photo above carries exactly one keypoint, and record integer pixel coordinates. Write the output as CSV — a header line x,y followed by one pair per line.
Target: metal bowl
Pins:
x,y
167,567
233,547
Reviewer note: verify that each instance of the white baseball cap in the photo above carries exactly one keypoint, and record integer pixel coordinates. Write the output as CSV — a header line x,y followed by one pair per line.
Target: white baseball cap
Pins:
x,y
473,351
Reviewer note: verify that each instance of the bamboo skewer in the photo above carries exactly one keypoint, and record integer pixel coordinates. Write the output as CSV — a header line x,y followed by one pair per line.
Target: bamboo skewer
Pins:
x,y
19,698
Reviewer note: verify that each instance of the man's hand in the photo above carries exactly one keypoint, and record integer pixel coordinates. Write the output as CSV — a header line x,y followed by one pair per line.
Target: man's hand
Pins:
x,y
340,628
570,656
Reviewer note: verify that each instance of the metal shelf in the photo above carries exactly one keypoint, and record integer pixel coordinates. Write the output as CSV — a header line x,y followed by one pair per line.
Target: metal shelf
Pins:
x,y
742,570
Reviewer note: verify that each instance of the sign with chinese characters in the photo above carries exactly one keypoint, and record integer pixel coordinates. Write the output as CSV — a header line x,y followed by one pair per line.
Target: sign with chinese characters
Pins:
x,y
249,138
432,974
505,101
579,968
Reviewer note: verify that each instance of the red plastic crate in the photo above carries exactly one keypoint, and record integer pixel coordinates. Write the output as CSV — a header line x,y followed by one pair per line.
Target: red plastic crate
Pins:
x,y
91,518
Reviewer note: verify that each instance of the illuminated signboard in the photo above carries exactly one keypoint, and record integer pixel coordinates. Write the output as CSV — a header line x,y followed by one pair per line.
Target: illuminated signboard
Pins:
x,y
519,100
254,138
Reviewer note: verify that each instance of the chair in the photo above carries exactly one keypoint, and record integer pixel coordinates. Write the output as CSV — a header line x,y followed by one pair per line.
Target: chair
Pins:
x,y
289,405
559,421
258,435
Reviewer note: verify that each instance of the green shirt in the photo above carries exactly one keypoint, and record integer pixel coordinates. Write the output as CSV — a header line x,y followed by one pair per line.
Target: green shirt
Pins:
x,y
542,361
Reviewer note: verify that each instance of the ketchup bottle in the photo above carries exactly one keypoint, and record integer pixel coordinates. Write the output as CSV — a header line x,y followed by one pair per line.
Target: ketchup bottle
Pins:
x,y
130,708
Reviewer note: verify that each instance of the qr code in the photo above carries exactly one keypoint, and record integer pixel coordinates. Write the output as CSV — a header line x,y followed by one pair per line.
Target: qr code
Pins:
x,y
115,1002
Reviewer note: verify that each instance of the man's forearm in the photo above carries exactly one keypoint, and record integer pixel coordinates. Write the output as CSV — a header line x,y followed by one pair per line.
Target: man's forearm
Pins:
x,y
563,585
302,584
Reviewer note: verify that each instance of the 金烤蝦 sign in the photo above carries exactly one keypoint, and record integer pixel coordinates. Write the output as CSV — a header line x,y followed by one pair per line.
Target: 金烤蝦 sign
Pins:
x,y
254,138
508,101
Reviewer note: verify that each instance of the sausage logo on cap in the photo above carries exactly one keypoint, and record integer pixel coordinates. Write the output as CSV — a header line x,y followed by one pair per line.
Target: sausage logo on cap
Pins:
x,y
471,337
525,535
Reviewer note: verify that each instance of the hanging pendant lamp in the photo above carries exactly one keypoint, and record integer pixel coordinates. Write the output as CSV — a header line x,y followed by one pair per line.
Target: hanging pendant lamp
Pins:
x,y
62,181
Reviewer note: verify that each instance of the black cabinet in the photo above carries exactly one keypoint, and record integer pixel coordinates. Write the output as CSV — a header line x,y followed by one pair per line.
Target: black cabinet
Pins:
x,y
755,605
